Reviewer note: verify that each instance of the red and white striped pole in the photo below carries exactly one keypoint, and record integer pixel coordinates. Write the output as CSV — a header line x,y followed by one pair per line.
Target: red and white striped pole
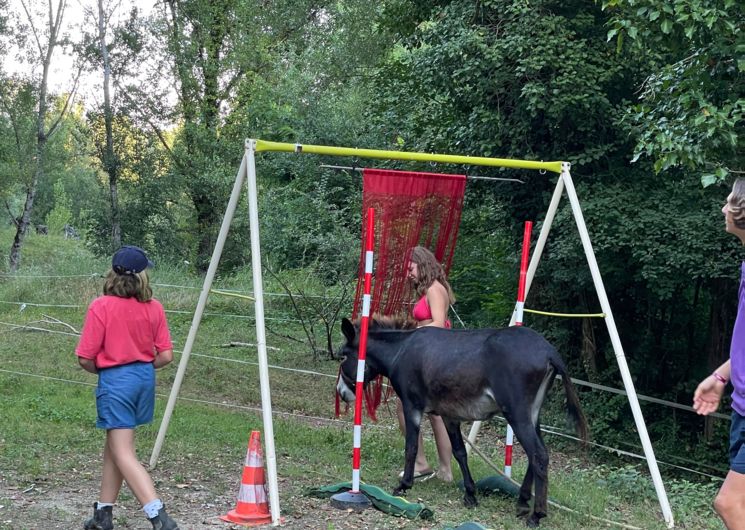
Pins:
x,y
518,321
359,393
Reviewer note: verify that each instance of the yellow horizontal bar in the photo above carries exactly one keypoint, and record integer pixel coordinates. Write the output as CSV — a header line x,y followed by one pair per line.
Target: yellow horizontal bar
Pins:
x,y
263,145
567,315
232,294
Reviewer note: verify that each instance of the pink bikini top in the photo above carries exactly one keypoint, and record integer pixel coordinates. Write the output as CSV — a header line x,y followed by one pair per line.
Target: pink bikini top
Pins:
x,y
422,311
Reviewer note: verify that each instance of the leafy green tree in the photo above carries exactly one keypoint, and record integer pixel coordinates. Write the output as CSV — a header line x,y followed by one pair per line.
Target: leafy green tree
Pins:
x,y
113,48
45,27
692,104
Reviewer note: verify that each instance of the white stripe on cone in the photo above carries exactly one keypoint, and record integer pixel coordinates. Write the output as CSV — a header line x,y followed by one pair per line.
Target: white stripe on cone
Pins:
x,y
254,459
252,494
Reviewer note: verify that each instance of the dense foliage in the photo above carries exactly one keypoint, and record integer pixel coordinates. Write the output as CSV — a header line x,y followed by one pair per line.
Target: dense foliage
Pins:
x,y
644,97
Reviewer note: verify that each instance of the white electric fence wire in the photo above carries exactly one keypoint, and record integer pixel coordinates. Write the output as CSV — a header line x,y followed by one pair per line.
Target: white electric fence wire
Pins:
x,y
341,422
171,311
578,382
548,430
98,276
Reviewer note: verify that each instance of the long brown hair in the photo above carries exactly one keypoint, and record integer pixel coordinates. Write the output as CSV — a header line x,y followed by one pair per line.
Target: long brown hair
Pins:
x,y
737,203
128,285
429,270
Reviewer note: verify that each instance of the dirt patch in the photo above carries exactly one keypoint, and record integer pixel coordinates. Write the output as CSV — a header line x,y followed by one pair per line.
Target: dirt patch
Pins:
x,y
56,502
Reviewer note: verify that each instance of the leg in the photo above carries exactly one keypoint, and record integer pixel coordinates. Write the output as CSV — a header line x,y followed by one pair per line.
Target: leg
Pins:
x,y
730,501
120,443
526,493
537,473
421,466
459,451
444,448
413,420
111,478
540,475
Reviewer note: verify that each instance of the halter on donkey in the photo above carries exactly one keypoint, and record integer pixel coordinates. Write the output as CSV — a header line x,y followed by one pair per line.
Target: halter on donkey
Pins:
x,y
467,375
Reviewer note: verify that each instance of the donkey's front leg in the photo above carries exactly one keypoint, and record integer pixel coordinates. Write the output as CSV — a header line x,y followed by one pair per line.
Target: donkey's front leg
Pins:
x,y
412,422
459,452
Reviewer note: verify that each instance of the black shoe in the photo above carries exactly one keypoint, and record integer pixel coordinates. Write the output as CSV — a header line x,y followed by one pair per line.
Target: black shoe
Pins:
x,y
163,521
101,520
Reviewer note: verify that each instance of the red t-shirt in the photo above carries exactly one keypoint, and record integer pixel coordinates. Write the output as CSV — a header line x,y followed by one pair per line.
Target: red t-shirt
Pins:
x,y
122,330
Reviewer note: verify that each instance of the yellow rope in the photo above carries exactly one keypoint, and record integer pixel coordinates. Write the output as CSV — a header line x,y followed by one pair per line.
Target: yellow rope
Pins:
x,y
232,294
568,315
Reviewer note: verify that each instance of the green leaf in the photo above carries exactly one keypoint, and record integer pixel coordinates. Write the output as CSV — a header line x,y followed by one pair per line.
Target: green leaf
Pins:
x,y
666,26
708,180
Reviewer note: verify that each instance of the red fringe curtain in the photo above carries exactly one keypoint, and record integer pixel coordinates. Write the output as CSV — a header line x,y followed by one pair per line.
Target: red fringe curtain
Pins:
x,y
411,208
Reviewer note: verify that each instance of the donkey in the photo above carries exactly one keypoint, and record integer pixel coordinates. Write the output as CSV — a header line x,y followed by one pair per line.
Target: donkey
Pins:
x,y
466,375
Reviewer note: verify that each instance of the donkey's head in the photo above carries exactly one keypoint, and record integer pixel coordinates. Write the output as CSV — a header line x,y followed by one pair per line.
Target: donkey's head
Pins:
x,y
379,326
348,354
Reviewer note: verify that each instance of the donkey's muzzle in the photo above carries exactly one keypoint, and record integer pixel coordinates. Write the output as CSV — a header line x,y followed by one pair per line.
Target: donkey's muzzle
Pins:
x,y
346,393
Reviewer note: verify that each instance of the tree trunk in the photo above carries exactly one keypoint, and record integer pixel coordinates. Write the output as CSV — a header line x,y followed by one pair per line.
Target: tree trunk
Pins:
x,y
25,221
720,333
55,23
109,158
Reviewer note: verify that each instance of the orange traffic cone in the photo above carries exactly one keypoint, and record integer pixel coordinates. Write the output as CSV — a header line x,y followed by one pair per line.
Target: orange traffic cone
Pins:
x,y
251,508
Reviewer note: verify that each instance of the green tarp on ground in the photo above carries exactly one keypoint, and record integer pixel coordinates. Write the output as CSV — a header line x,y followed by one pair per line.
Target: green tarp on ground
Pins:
x,y
385,502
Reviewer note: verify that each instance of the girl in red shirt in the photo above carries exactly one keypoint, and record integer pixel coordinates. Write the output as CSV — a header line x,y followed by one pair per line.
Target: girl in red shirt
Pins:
x,y
124,339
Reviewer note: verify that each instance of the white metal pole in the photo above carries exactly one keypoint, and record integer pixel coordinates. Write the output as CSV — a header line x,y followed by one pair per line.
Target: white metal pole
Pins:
x,y
616,341
184,361
543,236
258,289
534,259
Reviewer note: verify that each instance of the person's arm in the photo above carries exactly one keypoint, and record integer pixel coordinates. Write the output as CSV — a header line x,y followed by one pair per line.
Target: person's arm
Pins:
x,y
709,392
89,365
439,302
162,358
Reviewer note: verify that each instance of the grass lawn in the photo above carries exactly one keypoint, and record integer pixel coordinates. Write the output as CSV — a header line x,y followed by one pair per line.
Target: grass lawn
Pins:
x,y
50,449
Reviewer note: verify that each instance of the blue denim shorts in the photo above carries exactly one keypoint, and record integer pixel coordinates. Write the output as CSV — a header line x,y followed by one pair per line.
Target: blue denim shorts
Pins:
x,y
125,396
737,443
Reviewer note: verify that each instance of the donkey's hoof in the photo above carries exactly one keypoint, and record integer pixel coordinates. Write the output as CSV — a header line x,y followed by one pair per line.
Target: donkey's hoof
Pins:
x,y
470,501
533,521
523,511
399,492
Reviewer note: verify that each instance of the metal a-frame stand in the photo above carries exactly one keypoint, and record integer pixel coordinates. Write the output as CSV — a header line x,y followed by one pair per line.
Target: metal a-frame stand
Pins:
x,y
247,173
565,182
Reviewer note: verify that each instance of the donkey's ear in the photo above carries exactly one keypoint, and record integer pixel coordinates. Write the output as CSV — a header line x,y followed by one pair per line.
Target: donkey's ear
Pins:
x,y
348,329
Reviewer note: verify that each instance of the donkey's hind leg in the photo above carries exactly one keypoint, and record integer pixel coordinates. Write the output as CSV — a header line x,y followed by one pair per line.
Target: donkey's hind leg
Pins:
x,y
459,452
540,474
537,455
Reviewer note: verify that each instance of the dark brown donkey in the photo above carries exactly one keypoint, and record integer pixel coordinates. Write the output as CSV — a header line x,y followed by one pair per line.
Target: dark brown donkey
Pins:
x,y
467,375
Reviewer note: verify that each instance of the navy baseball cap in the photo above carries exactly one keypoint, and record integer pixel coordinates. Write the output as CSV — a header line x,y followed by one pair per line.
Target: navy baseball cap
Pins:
x,y
130,260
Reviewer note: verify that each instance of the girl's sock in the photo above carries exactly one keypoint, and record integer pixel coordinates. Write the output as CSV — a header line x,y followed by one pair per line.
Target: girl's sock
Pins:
x,y
152,508
100,505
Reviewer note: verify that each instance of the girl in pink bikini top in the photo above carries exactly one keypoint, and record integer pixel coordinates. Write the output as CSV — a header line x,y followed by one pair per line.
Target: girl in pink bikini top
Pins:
x,y
434,297
422,312
434,292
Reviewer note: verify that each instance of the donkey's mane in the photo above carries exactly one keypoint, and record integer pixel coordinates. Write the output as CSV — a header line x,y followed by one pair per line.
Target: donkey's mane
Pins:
x,y
389,322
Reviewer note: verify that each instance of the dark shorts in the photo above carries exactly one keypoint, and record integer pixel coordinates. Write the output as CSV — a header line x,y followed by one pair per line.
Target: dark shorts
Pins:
x,y
125,396
737,443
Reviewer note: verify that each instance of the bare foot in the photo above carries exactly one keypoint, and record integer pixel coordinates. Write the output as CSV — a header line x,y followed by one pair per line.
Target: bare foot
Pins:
x,y
418,474
445,476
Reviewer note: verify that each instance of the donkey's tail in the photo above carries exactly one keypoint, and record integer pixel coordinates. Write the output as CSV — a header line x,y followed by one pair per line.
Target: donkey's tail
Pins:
x,y
573,407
